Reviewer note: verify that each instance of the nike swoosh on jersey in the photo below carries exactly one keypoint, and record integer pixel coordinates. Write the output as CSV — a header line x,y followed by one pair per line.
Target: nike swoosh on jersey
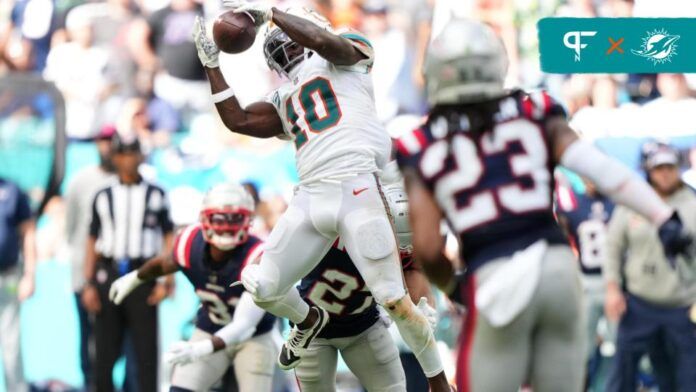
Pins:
x,y
359,191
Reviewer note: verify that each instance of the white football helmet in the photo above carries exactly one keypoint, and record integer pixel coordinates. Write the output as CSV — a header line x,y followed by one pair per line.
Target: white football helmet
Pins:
x,y
226,215
397,200
282,54
465,63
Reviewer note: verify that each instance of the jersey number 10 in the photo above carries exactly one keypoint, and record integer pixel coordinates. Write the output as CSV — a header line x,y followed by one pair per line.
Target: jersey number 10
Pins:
x,y
320,109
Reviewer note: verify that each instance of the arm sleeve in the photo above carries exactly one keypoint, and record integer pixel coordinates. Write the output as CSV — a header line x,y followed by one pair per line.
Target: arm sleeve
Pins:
x,y
615,246
616,181
246,317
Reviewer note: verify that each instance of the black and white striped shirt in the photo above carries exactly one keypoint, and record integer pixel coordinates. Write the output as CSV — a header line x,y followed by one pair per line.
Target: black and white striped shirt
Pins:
x,y
129,221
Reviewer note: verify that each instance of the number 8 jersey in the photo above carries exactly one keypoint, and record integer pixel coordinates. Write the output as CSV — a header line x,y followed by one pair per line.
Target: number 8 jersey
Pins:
x,y
492,179
329,112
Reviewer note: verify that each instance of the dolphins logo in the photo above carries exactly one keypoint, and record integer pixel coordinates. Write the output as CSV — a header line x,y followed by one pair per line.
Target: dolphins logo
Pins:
x,y
659,47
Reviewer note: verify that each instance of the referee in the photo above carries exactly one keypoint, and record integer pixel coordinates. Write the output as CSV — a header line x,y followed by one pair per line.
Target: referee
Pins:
x,y
130,224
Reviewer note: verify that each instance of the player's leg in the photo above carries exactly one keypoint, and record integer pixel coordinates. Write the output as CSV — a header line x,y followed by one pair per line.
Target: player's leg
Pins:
x,y
558,359
493,358
374,358
200,375
141,319
317,371
367,233
292,250
254,363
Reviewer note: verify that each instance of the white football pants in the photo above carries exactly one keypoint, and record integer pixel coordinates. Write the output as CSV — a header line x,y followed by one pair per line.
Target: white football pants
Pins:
x,y
372,356
254,363
355,210
319,213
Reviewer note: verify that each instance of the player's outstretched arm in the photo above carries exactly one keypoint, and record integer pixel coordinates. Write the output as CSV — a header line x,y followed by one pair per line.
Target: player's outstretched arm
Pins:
x,y
428,243
334,48
243,325
152,269
618,182
258,119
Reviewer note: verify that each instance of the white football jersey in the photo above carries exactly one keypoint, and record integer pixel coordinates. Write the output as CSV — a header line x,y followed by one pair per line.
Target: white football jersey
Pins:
x,y
329,112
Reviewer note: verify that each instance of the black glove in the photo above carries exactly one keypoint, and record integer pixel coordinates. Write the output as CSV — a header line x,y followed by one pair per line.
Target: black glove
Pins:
x,y
675,240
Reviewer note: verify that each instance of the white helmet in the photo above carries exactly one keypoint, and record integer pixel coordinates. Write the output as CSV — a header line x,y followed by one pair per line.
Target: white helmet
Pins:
x,y
465,63
397,200
283,54
226,215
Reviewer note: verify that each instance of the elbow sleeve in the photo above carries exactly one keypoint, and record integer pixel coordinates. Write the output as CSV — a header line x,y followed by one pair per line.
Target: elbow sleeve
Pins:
x,y
615,180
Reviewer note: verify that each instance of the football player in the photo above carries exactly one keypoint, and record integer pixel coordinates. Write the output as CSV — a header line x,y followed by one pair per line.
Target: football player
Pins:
x,y
484,161
230,328
584,217
355,327
327,108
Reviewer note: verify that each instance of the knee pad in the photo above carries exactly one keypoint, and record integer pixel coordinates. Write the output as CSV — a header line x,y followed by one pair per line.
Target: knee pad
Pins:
x,y
375,238
309,370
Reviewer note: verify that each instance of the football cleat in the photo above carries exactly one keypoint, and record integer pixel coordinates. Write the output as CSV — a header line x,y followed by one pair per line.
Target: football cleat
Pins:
x,y
299,339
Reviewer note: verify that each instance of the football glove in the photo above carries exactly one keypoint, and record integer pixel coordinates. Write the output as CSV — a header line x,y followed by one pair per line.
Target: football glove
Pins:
x,y
180,352
208,52
260,13
123,286
428,312
675,239
250,279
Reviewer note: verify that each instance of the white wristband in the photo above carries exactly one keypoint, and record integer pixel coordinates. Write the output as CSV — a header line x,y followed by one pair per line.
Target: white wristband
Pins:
x,y
223,95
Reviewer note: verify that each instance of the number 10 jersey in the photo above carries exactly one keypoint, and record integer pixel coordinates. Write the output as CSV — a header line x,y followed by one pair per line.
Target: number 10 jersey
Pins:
x,y
329,112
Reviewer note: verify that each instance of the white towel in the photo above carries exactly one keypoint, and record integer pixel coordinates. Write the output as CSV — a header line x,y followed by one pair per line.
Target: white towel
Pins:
x,y
507,292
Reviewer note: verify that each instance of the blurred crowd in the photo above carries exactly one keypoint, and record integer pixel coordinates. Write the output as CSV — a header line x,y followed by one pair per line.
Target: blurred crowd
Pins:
x,y
130,67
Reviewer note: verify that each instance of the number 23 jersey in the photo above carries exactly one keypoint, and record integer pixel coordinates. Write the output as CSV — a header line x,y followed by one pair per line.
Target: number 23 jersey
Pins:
x,y
495,186
211,280
329,112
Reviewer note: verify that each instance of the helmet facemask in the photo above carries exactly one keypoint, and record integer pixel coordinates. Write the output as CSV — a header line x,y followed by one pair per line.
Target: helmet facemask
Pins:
x,y
226,228
282,53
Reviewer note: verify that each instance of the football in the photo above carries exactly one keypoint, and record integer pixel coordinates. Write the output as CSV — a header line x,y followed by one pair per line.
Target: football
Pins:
x,y
234,33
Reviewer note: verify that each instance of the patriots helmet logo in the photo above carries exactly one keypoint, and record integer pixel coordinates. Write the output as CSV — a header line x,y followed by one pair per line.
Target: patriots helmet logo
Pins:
x,y
659,46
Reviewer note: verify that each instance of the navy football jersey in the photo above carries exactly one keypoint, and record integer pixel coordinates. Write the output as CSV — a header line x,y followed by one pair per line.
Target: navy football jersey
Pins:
x,y
336,285
491,176
585,218
211,279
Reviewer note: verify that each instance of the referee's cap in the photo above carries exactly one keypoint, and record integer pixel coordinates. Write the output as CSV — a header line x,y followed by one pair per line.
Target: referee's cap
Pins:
x,y
124,143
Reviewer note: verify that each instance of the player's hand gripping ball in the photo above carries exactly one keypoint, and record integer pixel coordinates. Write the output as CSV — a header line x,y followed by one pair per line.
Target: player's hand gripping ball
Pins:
x,y
234,32
259,12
